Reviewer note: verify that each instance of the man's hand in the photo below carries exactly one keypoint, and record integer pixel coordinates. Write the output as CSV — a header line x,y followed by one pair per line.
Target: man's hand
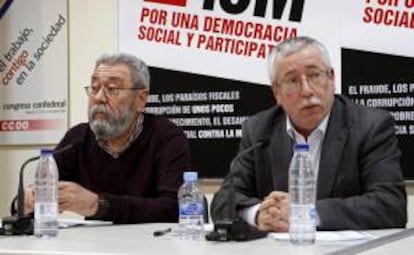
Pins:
x,y
29,199
75,198
273,214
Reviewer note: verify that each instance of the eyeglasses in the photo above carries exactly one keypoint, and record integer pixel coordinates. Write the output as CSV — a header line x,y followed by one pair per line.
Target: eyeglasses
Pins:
x,y
314,78
108,91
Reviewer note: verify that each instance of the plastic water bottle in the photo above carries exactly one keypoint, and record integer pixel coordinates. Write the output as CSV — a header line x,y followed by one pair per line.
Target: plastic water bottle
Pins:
x,y
46,196
191,208
302,191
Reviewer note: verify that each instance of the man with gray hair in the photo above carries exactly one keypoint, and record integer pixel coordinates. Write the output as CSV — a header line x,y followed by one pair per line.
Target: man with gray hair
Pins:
x,y
353,149
129,166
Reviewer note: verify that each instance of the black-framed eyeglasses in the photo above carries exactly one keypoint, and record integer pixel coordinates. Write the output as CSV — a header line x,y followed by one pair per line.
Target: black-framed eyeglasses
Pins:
x,y
108,91
315,78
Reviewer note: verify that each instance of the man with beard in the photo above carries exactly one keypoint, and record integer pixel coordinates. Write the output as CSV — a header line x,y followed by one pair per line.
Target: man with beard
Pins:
x,y
130,163
353,149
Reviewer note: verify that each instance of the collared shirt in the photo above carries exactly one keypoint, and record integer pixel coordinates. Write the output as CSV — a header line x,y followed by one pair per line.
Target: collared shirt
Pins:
x,y
315,140
137,131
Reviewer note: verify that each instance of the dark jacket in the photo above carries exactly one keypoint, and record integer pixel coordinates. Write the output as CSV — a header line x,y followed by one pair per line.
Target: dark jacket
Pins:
x,y
360,184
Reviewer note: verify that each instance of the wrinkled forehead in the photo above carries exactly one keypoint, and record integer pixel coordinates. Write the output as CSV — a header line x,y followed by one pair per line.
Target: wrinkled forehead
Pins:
x,y
105,72
306,58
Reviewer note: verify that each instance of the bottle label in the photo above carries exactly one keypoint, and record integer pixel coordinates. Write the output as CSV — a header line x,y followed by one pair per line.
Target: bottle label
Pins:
x,y
46,210
303,213
191,209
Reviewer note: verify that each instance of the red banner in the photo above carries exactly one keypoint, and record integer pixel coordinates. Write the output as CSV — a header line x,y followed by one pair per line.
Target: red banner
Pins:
x,y
170,2
30,125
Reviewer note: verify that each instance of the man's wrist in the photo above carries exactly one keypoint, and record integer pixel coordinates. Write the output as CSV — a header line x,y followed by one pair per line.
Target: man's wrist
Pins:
x,y
249,214
256,218
103,207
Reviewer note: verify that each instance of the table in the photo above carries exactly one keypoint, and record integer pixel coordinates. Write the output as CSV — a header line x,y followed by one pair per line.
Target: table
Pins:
x,y
139,239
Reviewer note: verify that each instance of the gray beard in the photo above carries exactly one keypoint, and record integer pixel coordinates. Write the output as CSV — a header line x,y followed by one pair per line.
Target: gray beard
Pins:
x,y
110,128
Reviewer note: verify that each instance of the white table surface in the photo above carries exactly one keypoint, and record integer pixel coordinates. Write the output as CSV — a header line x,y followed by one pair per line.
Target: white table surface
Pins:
x,y
139,239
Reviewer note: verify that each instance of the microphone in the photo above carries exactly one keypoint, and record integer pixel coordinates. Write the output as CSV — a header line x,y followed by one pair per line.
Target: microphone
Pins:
x,y
234,228
21,224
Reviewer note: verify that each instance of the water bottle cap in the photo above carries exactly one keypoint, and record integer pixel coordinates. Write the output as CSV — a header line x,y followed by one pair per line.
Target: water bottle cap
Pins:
x,y
302,146
190,176
46,151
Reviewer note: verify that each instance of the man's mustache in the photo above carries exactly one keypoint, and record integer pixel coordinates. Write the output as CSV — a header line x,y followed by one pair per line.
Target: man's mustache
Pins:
x,y
313,101
99,109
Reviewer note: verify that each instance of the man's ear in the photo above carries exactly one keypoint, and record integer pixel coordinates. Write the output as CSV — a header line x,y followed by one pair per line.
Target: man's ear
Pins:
x,y
332,78
331,73
141,99
275,92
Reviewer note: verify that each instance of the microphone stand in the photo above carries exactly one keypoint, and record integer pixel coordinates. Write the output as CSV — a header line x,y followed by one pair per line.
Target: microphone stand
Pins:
x,y
19,224
22,224
235,228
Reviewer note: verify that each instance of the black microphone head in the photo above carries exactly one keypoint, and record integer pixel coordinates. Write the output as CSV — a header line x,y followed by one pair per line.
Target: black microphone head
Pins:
x,y
265,142
71,145
77,142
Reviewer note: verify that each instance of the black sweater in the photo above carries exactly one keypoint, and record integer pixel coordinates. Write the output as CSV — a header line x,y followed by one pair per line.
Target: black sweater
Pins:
x,y
141,184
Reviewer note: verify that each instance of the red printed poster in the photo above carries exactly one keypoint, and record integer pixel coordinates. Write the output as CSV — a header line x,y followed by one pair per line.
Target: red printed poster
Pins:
x,y
171,2
33,71
197,35
209,62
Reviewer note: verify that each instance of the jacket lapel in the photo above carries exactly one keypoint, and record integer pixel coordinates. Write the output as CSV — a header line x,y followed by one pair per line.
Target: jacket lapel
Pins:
x,y
280,153
332,149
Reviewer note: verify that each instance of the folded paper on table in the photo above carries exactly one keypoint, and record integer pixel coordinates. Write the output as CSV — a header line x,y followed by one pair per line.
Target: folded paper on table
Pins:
x,y
68,223
346,235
